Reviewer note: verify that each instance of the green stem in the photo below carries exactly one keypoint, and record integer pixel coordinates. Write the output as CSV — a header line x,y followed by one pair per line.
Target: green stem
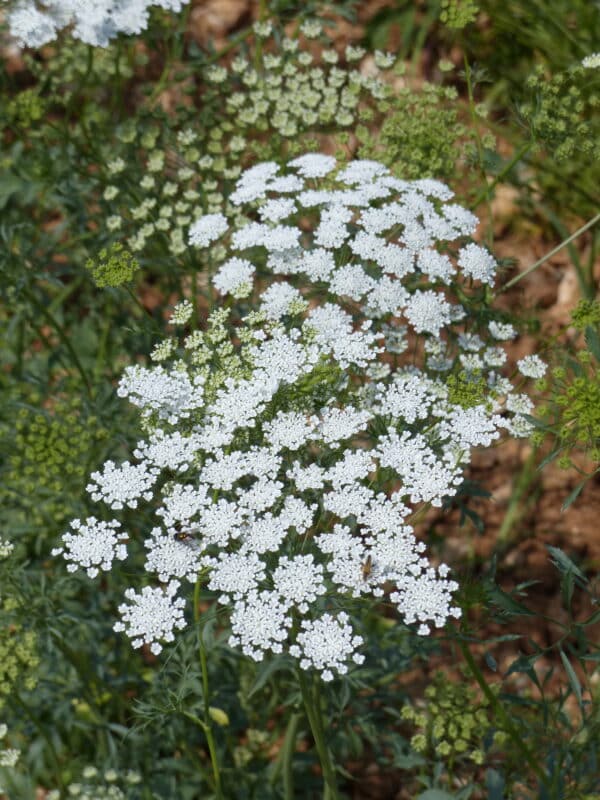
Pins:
x,y
312,705
501,713
146,313
207,724
552,252
289,746
285,758
515,509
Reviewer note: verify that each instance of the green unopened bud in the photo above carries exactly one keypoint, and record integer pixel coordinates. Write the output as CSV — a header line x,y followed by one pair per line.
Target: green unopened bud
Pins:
x,y
219,716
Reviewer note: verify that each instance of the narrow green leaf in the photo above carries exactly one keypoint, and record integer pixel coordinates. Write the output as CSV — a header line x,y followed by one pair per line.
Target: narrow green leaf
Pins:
x,y
591,620
266,671
564,563
573,495
592,339
491,661
573,679
506,603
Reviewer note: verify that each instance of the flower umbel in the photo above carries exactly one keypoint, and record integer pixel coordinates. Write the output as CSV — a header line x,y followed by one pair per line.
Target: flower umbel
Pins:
x,y
295,452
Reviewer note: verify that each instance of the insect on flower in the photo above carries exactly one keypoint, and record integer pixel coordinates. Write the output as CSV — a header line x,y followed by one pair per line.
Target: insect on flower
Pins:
x,y
183,536
367,568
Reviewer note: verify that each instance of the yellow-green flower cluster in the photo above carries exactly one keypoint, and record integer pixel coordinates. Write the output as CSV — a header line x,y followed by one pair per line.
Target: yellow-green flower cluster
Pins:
x,y
563,112
458,13
25,108
452,724
421,135
587,312
467,389
572,412
47,451
113,267
19,657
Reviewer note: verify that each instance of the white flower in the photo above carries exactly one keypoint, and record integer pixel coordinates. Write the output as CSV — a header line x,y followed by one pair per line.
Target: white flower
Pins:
x,y
31,27
311,28
9,757
259,624
384,60
532,367
478,263
122,485
207,229
93,23
427,312
233,276
502,330
171,395
287,448
94,546
326,644
313,165
299,581
234,575
592,61
182,313
6,549
169,557
426,598
152,616
281,299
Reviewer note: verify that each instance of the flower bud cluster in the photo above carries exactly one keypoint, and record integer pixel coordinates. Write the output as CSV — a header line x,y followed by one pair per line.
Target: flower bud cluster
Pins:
x,y
287,452
94,784
277,101
46,452
453,722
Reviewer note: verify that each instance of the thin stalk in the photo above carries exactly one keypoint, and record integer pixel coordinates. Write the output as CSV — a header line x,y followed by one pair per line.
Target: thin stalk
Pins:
x,y
289,746
284,762
312,705
500,712
552,252
520,487
207,724
146,312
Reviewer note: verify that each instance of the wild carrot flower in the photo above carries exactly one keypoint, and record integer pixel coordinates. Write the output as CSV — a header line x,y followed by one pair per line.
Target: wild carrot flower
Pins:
x,y
286,453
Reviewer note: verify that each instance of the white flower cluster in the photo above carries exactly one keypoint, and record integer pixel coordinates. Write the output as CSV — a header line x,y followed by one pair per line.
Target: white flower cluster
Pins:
x,y
296,446
592,61
94,23
8,756
94,545
6,548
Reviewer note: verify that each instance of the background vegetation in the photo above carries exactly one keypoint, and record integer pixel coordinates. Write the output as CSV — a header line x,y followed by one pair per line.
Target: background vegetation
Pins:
x,y
493,99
